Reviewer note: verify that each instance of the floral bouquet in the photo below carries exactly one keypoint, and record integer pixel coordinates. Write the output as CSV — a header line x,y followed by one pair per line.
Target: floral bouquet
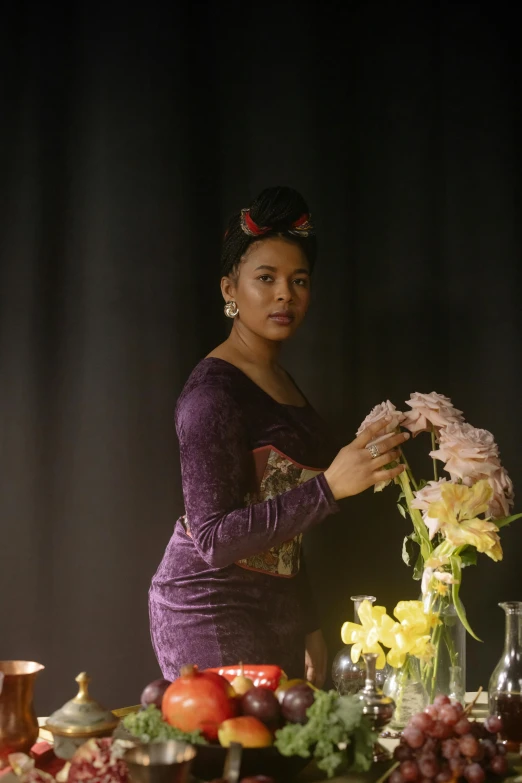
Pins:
x,y
454,517
409,639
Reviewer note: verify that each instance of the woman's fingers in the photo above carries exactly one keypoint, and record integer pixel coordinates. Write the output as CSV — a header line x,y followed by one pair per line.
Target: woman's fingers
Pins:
x,y
387,475
370,433
385,459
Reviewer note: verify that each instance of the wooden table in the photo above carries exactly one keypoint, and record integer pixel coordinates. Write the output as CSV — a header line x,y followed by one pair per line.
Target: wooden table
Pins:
x,y
311,774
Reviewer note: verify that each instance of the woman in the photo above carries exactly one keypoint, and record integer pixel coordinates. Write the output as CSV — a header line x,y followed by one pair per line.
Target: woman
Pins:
x,y
258,467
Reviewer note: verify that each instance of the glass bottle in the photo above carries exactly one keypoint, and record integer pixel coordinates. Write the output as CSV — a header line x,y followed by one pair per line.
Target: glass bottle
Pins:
x,y
505,685
349,677
405,687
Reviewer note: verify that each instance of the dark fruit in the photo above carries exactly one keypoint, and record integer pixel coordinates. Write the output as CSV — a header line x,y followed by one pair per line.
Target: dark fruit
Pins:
x,y
262,704
448,714
422,721
428,765
402,753
396,777
493,724
440,700
444,776
296,702
457,767
432,711
153,693
474,773
490,748
440,730
463,726
499,765
413,737
468,745
450,749
409,771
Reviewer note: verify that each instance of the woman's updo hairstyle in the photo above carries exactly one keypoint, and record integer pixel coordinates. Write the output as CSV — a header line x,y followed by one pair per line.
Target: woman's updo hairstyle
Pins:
x,y
276,212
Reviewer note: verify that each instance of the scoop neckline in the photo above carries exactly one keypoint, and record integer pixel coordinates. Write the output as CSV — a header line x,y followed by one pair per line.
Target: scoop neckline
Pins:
x,y
273,399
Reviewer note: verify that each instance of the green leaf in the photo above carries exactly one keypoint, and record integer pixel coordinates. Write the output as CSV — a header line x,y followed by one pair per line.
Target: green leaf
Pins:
x,y
402,510
456,572
419,567
507,521
421,484
409,549
468,556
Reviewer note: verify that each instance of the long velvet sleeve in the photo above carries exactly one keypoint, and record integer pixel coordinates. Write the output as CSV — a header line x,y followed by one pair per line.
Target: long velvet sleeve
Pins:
x,y
216,465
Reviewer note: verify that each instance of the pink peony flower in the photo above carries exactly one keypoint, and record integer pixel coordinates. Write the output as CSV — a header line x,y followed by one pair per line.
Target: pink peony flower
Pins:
x,y
424,498
503,494
470,454
380,412
429,410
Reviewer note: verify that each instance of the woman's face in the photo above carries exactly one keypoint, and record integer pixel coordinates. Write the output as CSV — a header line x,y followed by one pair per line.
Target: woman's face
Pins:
x,y
271,289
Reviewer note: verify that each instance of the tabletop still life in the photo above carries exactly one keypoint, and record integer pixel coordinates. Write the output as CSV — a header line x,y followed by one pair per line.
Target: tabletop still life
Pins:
x,y
399,711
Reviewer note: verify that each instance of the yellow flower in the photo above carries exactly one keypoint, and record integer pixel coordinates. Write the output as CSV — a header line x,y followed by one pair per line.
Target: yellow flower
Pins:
x,y
457,512
411,635
364,638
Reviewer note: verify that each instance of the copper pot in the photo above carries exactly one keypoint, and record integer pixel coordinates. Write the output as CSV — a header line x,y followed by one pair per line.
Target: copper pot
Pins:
x,y
18,722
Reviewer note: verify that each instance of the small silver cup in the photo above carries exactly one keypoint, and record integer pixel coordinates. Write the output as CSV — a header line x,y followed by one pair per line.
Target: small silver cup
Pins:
x,y
160,762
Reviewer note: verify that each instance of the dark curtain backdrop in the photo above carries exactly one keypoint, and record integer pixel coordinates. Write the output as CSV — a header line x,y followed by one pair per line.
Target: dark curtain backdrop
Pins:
x,y
129,133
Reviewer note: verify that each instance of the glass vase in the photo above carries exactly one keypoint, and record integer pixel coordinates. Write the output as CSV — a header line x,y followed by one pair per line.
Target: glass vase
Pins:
x,y
446,671
349,677
505,685
406,688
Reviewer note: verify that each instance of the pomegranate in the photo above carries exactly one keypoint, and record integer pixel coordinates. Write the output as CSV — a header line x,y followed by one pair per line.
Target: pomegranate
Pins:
x,y
199,700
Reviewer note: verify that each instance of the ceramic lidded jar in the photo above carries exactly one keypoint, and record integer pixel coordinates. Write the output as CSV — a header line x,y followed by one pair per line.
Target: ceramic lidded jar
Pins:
x,y
79,720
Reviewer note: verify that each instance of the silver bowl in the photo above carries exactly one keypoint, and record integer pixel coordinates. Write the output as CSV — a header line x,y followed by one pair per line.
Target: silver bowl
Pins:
x,y
160,762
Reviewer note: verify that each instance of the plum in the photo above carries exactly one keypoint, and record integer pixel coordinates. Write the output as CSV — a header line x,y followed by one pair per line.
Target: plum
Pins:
x,y
296,702
261,704
153,693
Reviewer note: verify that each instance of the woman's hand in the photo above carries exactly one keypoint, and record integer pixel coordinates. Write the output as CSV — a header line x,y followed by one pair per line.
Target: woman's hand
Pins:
x,y
316,658
354,469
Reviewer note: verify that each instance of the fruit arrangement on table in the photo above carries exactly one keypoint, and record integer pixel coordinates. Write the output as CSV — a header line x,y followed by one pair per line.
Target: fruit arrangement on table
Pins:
x,y
442,744
281,724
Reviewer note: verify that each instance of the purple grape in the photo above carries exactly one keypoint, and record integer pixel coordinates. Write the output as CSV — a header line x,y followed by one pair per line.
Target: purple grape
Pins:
x,y
499,765
493,724
469,746
402,753
428,765
396,777
440,700
474,773
422,721
457,767
450,749
409,771
444,776
413,737
490,748
448,714
463,726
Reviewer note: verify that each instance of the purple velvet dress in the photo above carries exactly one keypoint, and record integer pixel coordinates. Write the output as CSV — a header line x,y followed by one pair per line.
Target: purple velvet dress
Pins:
x,y
232,586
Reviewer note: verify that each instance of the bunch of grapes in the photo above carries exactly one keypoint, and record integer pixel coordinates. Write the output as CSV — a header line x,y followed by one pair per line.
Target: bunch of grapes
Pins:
x,y
441,744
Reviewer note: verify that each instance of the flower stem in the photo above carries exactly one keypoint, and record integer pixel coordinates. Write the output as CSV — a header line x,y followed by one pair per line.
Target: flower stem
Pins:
x,y
409,470
433,448
416,517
